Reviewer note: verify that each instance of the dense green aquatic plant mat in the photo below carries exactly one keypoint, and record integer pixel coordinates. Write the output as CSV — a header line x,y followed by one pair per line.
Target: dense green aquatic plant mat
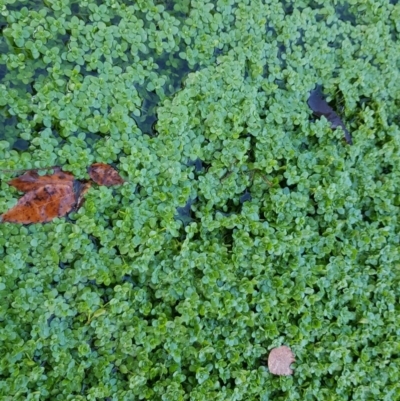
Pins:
x,y
128,300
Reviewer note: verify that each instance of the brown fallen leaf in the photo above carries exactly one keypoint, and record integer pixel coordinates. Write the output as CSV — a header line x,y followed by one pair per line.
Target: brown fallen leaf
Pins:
x,y
42,204
279,361
54,195
104,174
31,180
46,197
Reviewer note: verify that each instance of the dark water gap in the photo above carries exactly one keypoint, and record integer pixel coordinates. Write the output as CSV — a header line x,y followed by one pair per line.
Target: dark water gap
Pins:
x,y
169,65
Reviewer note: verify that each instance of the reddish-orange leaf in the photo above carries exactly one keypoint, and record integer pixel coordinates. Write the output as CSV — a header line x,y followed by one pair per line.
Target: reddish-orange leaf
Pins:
x,y
46,197
279,361
103,174
31,180
42,204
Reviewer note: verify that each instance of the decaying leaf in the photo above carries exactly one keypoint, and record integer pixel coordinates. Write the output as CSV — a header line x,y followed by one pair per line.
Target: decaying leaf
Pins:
x,y
46,197
54,195
103,174
320,107
279,361
42,204
31,180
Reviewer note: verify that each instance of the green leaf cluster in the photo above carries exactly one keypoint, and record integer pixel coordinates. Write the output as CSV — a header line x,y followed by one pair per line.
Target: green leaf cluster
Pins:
x,y
125,301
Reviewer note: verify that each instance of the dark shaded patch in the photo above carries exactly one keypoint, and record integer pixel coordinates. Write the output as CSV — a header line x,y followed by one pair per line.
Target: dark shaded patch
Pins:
x,y
115,20
148,118
3,71
344,14
251,153
281,51
387,169
20,144
184,213
218,51
75,9
50,319
7,121
198,164
129,279
289,8
245,197
95,241
227,235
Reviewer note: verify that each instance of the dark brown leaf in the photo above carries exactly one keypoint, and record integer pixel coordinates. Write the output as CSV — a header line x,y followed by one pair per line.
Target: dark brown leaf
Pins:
x,y
320,107
103,174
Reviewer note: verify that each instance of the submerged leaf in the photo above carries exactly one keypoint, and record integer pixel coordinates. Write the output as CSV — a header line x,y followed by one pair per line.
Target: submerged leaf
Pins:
x,y
103,174
320,107
279,361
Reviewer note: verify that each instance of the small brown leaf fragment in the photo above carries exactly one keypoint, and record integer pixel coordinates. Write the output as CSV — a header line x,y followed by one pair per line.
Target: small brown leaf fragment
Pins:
x,y
42,205
279,361
104,174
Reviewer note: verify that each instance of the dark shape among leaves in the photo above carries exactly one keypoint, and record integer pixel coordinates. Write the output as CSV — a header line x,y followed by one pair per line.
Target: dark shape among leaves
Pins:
x,y
198,164
320,107
103,174
245,197
52,195
184,213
